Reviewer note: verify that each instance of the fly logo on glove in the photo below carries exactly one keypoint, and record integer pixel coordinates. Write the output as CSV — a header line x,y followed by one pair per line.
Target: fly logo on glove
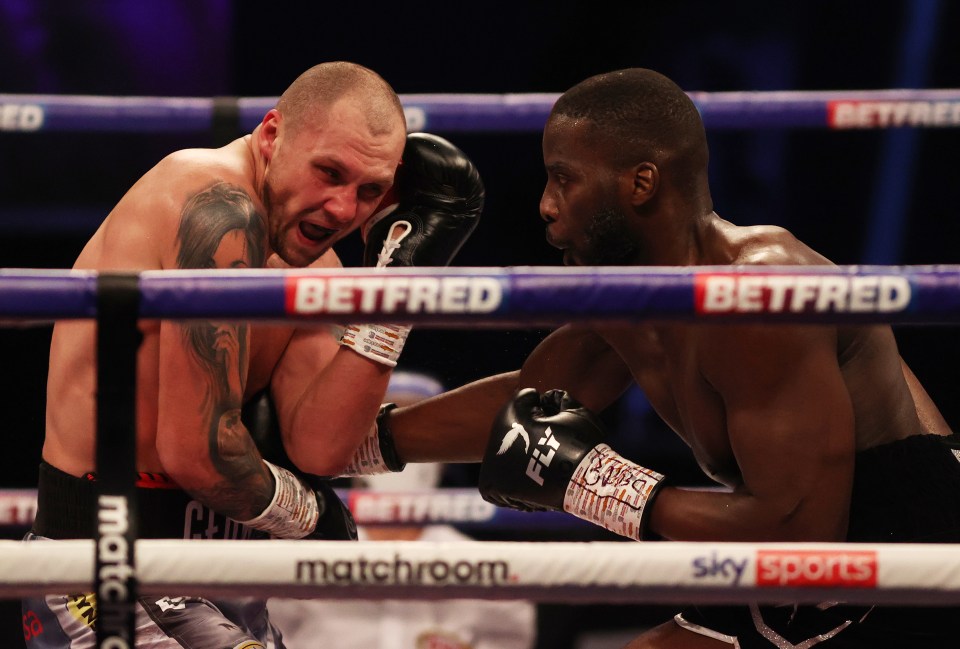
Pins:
x,y
540,459
515,431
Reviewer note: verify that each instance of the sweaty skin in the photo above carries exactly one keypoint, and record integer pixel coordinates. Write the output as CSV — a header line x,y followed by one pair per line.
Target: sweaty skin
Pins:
x,y
278,197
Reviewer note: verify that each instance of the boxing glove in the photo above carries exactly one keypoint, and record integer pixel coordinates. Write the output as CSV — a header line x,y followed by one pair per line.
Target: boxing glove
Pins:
x,y
547,453
335,521
259,417
431,210
427,216
299,510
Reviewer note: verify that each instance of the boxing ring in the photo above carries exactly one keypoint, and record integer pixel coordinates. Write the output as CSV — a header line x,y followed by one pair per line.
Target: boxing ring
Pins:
x,y
118,563
505,297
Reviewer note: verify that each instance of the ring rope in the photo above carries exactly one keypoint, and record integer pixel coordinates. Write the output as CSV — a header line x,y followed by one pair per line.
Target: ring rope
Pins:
x,y
675,572
896,573
521,296
452,506
518,112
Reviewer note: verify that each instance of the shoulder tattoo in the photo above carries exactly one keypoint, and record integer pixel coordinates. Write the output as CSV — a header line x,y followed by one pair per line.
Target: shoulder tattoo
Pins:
x,y
221,228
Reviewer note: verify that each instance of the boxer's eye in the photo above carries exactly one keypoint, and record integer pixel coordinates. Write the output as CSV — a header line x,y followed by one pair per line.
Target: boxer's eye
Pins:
x,y
330,172
370,192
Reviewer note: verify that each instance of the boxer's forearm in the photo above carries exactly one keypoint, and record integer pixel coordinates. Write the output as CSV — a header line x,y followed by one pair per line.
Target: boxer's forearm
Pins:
x,y
454,426
680,514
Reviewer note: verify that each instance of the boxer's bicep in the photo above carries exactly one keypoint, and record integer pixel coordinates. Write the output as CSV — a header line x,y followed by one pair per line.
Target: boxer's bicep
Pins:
x,y
580,362
789,421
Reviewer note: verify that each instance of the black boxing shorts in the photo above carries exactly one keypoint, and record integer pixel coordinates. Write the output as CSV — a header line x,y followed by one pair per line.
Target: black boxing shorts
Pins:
x,y
907,491
67,506
66,509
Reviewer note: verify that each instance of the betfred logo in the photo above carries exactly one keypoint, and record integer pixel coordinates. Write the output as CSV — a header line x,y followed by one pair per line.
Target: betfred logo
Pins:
x,y
816,568
392,294
891,114
727,293
414,508
21,117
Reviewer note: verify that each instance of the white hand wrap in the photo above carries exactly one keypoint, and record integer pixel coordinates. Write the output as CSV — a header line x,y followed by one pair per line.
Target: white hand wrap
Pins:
x,y
368,459
294,510
382,343
377,453
611,491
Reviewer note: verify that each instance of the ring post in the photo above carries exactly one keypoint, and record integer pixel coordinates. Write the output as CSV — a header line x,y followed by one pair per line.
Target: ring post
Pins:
x,y
118,338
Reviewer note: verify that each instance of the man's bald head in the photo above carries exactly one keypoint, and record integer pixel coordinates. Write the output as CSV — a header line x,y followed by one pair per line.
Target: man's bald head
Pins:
x,y
322,85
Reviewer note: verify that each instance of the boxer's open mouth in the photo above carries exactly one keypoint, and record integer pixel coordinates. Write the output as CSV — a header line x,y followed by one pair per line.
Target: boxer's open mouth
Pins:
x,y
315,232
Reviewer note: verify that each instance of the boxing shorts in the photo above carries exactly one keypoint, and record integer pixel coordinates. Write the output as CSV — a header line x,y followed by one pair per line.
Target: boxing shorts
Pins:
x,y
906,491
66,509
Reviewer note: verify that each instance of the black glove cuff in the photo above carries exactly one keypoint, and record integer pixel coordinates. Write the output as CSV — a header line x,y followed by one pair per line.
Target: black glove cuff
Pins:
x,y
335,521
388,450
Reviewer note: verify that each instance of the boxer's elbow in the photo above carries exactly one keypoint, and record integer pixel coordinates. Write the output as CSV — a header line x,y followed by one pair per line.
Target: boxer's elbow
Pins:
x,y
325,459
807,520
189,466
187,471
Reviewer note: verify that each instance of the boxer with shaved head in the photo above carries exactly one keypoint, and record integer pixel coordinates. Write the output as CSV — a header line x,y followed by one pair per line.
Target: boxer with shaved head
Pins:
x,y
321,164
817,432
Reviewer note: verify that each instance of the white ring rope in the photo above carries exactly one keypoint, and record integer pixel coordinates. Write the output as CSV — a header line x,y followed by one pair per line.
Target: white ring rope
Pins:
x,y
559,572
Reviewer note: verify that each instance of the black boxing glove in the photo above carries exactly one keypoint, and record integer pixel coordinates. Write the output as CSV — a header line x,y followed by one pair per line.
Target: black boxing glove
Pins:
x,y
547,453
259,417
431,210
299,510
433,207
335,521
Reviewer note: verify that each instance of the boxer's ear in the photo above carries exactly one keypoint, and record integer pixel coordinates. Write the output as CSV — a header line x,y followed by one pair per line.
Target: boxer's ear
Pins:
x,y
268,133
646,181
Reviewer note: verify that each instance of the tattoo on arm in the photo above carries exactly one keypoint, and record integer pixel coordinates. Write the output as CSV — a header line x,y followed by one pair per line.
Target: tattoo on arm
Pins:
x,y
220,228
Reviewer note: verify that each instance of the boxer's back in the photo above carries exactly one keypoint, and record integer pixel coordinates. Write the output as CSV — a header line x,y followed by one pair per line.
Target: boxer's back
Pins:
x,y
888,403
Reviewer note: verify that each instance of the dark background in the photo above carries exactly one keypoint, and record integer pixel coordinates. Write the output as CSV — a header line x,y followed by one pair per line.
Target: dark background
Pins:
x,y
885,197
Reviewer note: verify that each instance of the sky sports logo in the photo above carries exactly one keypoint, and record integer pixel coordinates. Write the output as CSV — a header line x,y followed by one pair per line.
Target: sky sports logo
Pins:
x,y
400,571
789,568
719,293
816,568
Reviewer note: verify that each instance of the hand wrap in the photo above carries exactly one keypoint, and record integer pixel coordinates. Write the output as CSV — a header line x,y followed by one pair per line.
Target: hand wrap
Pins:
x,y
298,511
547,453
377,453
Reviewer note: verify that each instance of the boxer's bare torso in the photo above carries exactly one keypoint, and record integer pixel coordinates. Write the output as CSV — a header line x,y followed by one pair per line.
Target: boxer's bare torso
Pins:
x,y
815,394
147,223
280,197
